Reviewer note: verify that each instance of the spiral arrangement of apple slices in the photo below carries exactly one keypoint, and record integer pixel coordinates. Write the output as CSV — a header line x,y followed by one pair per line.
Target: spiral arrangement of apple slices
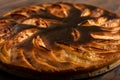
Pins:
x,y
60,37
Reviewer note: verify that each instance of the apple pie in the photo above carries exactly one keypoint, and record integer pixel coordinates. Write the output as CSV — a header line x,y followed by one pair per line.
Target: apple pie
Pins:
x,y
60,38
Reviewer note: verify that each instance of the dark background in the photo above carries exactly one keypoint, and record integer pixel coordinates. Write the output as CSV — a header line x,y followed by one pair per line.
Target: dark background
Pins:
x,y
111,5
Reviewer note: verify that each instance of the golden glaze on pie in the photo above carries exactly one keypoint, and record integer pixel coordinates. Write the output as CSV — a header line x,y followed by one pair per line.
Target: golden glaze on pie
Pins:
x,y
60,37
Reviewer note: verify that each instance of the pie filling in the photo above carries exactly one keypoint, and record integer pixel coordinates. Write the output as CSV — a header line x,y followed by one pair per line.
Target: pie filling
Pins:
x,y
59,37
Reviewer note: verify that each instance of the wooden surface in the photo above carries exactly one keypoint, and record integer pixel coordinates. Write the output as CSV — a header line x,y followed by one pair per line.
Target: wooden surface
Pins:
x,y
112,5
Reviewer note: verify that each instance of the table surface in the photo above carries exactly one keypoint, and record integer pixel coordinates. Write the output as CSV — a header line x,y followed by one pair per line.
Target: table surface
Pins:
x,y
112,5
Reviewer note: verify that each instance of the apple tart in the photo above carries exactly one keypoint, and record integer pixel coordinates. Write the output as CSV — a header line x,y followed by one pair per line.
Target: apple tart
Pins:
x,y
60,38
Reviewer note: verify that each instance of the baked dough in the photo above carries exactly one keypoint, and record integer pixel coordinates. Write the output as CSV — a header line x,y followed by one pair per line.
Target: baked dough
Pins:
x,y
60,37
